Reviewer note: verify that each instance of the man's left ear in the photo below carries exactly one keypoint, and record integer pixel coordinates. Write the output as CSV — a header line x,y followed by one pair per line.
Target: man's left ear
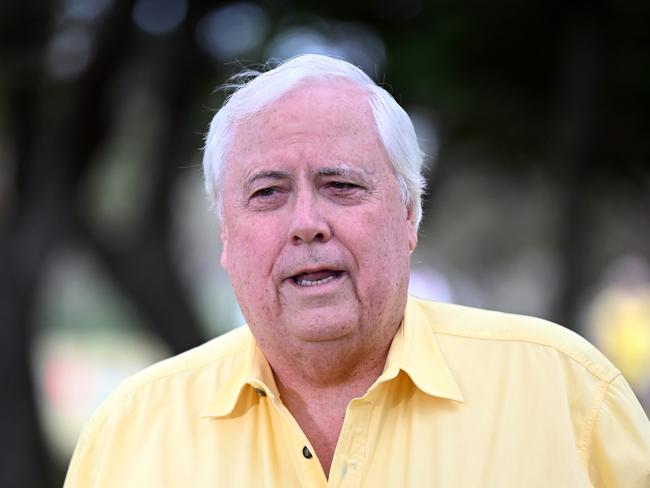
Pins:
x,y
224,245
412,228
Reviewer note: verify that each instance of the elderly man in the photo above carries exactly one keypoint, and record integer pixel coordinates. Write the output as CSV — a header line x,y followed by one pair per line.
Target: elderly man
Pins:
x,y
339,378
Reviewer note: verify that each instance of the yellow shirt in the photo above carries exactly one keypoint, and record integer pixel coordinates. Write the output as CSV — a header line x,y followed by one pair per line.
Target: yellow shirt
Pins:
x,y
468,398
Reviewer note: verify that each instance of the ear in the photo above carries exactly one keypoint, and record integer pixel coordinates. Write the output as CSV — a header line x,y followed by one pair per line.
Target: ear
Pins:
x,y
411,228
224,245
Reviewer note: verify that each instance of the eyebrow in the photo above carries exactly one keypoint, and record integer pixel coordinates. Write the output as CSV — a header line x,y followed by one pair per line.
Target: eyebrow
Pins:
x,y
337,171
343,170
266,173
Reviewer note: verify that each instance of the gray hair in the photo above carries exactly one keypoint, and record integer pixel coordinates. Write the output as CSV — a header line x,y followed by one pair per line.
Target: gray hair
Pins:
x,y
254,90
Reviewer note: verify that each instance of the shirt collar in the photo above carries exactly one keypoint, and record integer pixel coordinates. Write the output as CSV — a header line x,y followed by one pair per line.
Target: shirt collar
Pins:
x,y
251,369
414,350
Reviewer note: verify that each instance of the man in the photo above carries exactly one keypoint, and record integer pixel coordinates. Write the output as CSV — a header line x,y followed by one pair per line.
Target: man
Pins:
x,y
340,379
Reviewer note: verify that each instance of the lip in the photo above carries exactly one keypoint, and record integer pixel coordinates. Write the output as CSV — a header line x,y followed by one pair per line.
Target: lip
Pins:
x,y
328,284
336,275
290,273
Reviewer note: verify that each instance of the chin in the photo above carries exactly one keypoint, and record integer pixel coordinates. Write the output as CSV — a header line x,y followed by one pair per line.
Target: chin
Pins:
x,y
317,330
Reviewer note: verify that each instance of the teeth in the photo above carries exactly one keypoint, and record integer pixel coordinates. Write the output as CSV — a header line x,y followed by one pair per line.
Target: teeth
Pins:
x,y
314,283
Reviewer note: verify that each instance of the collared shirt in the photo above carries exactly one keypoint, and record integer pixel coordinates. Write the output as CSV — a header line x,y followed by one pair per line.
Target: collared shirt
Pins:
x,y
467,398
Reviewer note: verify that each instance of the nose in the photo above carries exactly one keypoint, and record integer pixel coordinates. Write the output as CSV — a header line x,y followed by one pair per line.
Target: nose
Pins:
x,y
308,223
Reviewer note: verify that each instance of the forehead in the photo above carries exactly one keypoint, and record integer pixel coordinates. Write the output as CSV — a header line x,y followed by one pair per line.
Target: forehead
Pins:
x,y
324,121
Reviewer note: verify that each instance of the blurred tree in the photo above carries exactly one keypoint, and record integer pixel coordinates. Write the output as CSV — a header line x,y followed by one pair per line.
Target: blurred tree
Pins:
x,y
54,130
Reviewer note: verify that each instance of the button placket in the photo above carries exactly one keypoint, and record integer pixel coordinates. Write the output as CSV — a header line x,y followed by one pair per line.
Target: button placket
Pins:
x,y
348,459
309,472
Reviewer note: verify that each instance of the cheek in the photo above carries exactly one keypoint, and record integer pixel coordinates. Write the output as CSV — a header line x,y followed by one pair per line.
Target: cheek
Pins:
x,y
382,251
251,252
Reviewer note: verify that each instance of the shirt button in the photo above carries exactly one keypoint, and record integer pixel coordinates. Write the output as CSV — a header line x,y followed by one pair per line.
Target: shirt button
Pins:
x,y
260,392
306,452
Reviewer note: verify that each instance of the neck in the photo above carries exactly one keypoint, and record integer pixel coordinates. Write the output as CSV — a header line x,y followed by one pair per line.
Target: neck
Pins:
x,y
318,403
321,367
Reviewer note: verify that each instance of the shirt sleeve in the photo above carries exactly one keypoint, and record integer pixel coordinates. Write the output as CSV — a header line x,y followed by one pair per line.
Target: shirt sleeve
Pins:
x,y
81,465
619,454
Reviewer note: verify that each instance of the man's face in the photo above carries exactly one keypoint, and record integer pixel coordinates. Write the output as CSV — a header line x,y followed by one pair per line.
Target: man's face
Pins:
x,y
316,239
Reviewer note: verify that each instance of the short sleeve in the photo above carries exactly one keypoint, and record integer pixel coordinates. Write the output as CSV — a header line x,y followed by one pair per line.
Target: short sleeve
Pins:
x,y
81,465
619,453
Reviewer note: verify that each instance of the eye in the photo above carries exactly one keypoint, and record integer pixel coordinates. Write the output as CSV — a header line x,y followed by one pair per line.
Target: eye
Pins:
x,y
265,192
341,185
346,192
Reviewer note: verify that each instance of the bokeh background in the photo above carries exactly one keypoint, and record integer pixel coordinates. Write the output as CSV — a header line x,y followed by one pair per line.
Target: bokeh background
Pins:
x,y
535,116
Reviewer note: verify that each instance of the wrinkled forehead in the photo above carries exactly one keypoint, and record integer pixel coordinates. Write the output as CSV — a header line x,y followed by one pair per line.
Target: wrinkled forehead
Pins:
x,y
334,114
333,89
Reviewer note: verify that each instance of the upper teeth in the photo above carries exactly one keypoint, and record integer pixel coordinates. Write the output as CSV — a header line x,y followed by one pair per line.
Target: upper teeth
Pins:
x,y
302,282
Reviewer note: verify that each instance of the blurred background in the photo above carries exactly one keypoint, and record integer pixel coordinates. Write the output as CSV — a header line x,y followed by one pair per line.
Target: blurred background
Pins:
x,y
535,116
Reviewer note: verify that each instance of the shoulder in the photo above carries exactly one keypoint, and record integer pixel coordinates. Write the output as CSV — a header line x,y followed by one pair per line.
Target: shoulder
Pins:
x,y
194,371
513,330
215,351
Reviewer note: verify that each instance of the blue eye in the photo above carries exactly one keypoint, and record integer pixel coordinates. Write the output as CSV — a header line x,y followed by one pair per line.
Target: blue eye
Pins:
x,y
265,192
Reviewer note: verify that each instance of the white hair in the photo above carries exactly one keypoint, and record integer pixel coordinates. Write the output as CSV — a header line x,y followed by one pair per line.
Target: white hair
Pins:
x,y
254,90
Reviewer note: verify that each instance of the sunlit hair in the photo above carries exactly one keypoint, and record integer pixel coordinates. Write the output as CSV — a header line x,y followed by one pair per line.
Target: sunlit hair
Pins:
x,y
254,90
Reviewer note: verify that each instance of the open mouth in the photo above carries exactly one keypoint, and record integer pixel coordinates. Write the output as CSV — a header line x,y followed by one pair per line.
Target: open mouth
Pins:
x,y
316,278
